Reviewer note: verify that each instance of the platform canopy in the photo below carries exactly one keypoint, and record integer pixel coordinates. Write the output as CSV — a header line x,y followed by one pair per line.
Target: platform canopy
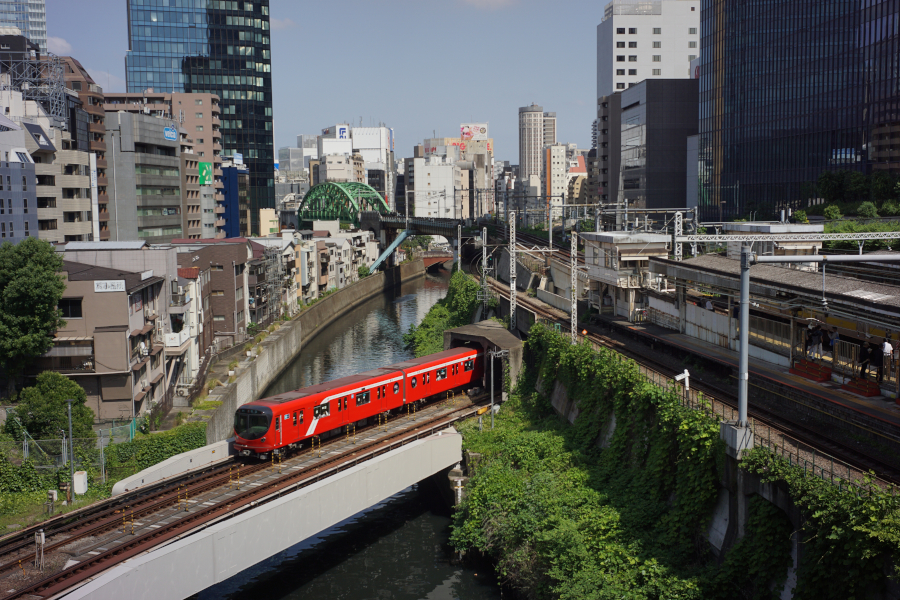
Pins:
x,y
342,201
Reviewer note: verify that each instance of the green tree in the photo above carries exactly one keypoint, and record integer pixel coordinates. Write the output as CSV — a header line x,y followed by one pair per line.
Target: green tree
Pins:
x,y
831,186
30,290
858,186
867,210
363,271
800,216
42,409
882,186
832,212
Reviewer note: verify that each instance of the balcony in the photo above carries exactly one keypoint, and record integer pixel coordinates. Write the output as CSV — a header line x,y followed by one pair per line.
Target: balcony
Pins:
x,y
220,210
219,185
175,340
103,215
104,235
101,163
219,197
97,128
220,222
97,147
102,181
66,364
179,303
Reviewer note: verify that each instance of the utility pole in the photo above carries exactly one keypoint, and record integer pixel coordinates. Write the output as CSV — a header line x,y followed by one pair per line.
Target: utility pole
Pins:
x,y
512,272
459,247
71,493
484,271
574,283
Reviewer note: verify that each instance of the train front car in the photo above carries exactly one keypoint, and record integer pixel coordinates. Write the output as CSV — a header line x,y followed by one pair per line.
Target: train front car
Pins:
x,y
252,430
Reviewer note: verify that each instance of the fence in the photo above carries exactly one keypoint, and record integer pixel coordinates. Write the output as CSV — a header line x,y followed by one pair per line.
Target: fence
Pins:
x,y
772,335
794,451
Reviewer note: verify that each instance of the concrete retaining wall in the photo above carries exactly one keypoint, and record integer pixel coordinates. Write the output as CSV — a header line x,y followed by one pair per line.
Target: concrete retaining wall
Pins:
x,y
196,562
554,300
174,466
279,349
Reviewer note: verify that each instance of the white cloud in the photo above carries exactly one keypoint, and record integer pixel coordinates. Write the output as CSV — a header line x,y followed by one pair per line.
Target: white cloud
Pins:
x,y
279,24
106,80
490,4
59,46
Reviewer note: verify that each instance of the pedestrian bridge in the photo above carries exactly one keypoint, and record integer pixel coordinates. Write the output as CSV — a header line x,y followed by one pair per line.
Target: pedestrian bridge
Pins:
x,y
213,552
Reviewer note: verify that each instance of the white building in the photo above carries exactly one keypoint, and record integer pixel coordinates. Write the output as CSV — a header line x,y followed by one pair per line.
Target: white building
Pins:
x,y
431,183
536,130
644,40
336,167
554,182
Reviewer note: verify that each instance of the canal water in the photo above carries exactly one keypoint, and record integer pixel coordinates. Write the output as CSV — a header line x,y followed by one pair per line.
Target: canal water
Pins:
x,y
398,549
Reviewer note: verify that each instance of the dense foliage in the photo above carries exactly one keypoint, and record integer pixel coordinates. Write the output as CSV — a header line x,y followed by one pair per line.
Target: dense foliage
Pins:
x,y
856,227
454,310
148,450
30,289
564,518
41,409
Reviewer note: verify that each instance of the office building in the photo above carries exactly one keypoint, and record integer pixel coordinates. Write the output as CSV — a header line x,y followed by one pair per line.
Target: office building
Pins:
x,y
605,171
145,178
290,160
821,94
18,210
236,203
536,130
29,16
220,48
554,181
646,40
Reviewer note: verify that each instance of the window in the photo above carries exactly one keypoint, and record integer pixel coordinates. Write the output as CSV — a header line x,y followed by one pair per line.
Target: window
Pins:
x,y
469,365
620,58
620,30
657,30
619,72
657,71
692,31
692,44
691,57
199,127
339,404
240,316
632,58
239,294
363,398
632,71
620,44
218,318
632,44
414,382
657,44
440,374
219,292
198,115
632,30
70,308
396,387
217,268
322,410
657,58
198,103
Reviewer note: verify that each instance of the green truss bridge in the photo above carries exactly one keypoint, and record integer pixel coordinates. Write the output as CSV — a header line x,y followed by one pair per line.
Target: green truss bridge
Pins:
x,y
343,201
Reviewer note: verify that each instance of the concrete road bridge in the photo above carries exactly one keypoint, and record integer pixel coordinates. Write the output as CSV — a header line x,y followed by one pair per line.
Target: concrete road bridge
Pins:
x,y
391,229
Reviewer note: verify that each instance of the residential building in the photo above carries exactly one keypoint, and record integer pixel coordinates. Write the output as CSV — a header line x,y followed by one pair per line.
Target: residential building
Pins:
x,y
191,211
646,40
91,95
592,184
193,292
337,168
235,220
431,184
609,141
29,16
145,173
476,155
554,181
220,48
658,116
819,95
18,198
534,134
111,343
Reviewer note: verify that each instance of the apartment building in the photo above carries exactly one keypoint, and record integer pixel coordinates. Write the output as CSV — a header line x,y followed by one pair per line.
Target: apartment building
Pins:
x,y
536,130
18,200
554,180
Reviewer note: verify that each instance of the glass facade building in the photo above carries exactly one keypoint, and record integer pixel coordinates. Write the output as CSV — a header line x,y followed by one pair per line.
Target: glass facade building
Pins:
x,y
218,47
30,16
790,89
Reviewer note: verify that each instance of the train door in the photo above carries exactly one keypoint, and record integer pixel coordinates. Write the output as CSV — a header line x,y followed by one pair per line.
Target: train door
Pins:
x,y
293,426
343,409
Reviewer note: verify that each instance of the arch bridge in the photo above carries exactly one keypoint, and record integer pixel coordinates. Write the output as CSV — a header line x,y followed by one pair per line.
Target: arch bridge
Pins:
x,y
344,201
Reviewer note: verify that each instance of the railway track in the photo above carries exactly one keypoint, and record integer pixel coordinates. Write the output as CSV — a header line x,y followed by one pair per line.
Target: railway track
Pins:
x,y
222,495
862,461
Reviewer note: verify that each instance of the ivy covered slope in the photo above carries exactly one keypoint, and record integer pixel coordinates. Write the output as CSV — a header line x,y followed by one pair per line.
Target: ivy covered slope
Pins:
x,y
564,519
454,310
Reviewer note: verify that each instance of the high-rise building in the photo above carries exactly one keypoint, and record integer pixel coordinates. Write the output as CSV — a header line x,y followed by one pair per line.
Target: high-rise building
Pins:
x,y
220,48
554,181
536,130
29,16
820,94
646,39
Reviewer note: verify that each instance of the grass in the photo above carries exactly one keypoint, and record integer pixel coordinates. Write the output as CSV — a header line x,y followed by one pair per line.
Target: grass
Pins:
x,y
207,405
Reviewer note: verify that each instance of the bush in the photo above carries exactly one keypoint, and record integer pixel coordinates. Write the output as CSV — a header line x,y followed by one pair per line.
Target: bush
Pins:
x,y
832,212
890,208
146,451
363,271
800,216
232,365
867,210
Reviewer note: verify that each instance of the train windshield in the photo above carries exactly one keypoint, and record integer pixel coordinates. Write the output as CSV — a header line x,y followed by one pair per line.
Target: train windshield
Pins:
x,y
252,423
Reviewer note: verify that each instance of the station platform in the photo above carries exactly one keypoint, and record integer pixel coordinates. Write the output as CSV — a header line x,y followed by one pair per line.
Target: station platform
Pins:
x,y
879,408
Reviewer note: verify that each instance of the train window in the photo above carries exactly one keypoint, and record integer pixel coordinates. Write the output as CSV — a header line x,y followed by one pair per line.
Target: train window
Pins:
x,y
362,398
322,410
339,405
469,365
396,387
413,382
384,391
345,402
301,416
378,392
295,418
278,423
441,374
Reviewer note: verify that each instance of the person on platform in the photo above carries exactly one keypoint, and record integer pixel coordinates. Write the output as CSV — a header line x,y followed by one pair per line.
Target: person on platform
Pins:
x,y
815,346
833,339
887,352
865,357
709,305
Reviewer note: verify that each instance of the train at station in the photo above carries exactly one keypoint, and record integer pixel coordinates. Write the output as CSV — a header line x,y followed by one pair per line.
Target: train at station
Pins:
x,y
283,422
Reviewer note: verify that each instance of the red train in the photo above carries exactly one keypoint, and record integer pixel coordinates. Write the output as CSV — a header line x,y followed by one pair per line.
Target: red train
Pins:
x,y
280,422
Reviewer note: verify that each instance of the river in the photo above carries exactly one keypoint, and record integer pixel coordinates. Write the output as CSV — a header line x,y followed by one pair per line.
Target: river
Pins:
x,y
398,549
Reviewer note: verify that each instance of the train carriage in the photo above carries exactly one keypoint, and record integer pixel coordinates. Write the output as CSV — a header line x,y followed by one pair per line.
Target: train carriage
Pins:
x,y
277,423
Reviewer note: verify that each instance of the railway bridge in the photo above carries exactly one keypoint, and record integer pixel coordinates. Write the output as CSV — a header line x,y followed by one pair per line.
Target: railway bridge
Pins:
x,y
392,228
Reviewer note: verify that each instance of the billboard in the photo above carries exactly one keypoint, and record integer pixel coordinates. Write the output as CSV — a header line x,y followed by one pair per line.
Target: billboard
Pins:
x,y
473,131
238,158
206,173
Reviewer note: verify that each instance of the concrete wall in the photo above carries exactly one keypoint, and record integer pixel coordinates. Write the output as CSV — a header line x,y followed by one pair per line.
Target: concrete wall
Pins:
x,y
563,304
174,466
279,349
707,326
196,562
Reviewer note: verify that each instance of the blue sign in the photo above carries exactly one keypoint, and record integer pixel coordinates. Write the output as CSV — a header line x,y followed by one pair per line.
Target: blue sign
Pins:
x,y
342,133
170,133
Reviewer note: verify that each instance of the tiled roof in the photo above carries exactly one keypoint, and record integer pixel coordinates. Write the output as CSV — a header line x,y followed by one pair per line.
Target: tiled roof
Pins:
x,y
189,272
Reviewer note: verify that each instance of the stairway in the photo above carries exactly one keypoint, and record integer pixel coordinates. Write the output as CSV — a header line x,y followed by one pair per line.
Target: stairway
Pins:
x,y
863,387
811,370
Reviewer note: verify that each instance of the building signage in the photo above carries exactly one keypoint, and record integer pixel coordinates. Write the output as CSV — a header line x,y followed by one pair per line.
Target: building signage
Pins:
x,y
206,173
238,158
473,131
343,133
170,133
114,285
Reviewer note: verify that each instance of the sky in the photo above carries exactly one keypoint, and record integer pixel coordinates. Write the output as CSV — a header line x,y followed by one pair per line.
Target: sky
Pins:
x,y
421,67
